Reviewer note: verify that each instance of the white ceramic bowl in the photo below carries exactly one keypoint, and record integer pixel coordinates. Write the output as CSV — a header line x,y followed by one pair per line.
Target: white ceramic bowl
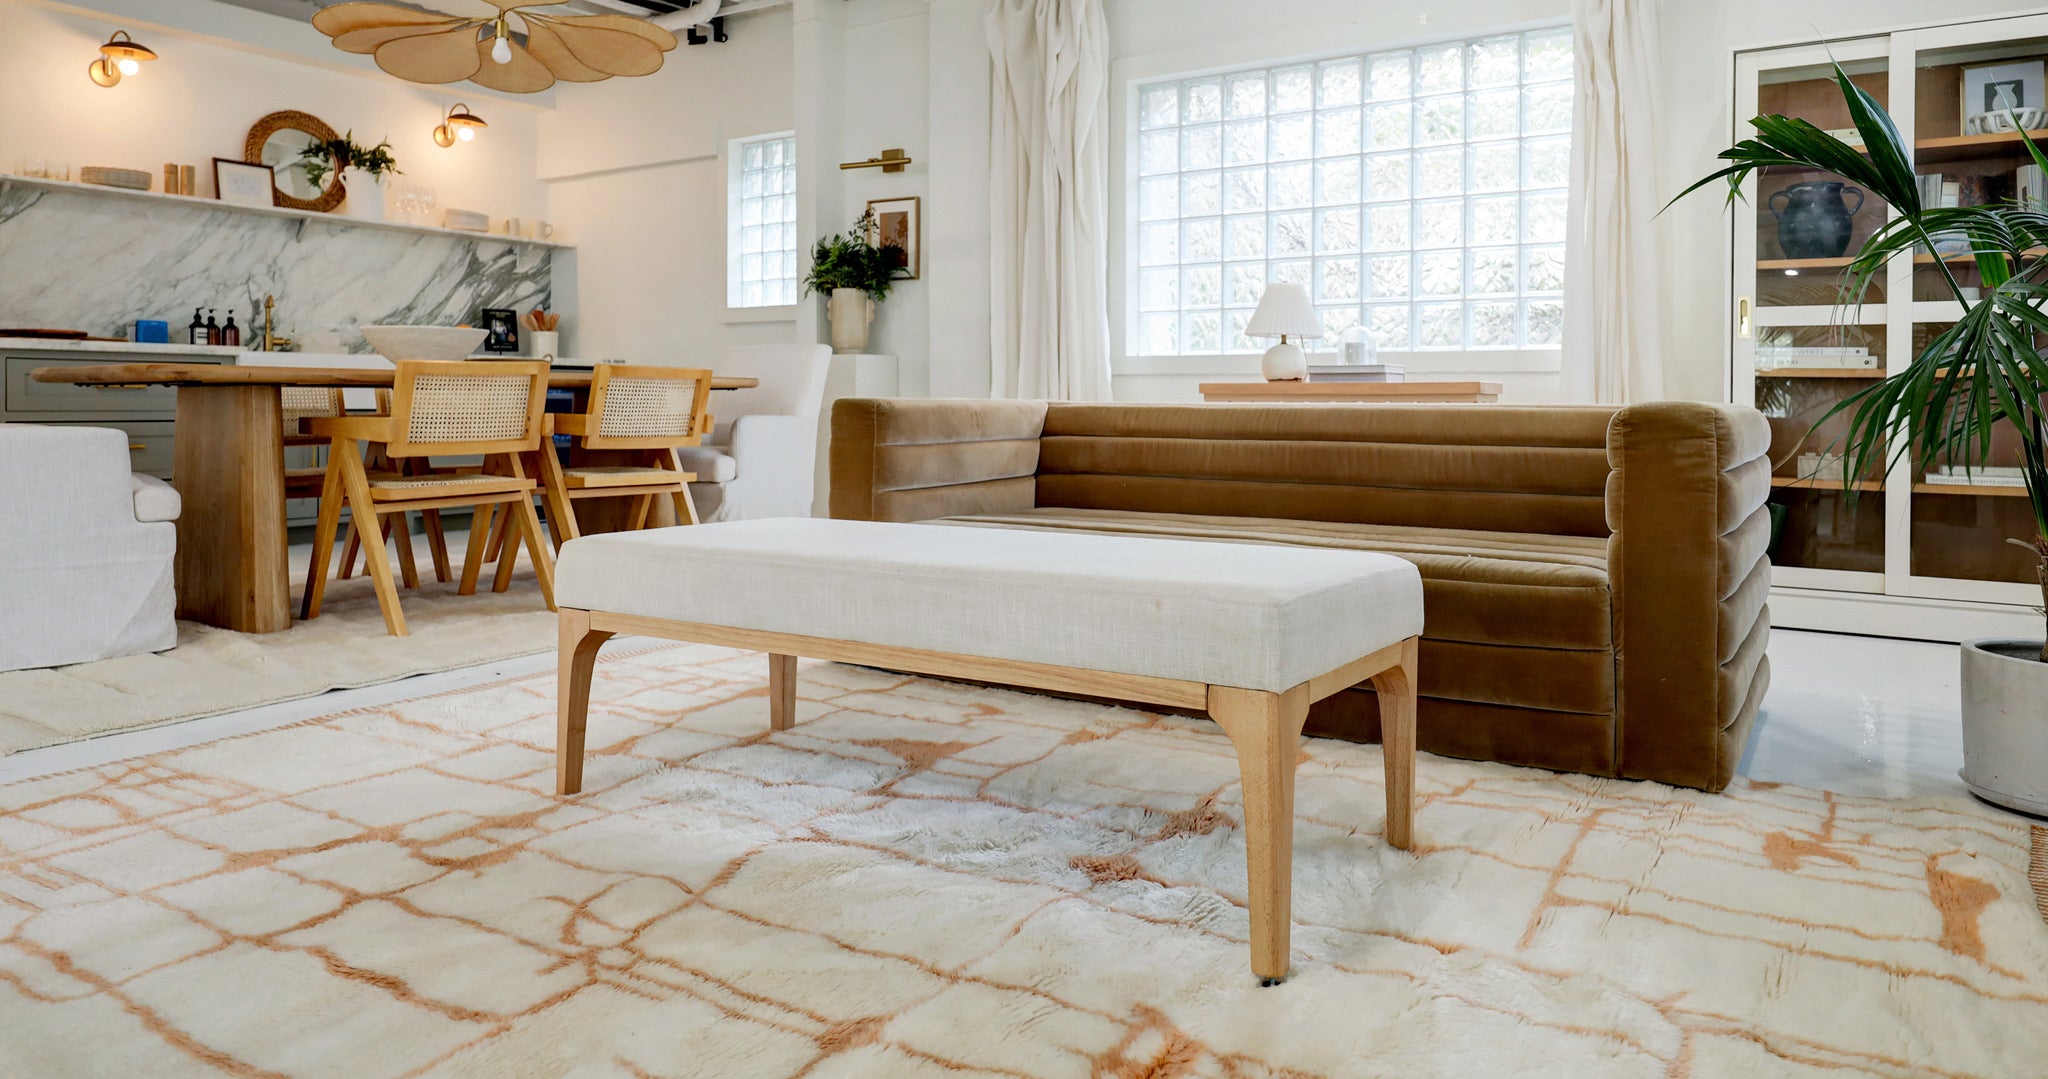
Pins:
x,y
397,343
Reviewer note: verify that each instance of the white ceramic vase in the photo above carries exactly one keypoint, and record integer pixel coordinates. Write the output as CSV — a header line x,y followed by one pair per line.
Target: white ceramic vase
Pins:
x,y
365,194
2005,724
851,313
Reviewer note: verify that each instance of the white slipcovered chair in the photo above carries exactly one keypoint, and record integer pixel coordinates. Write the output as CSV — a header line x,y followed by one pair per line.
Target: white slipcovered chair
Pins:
x,y
86,552
762,457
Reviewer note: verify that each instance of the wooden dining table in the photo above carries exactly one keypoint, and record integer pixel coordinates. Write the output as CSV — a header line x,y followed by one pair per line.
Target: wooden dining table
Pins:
x,y
228,467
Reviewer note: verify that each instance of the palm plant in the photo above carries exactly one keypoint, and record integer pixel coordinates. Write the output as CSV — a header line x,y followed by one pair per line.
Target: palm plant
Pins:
x,y
1984,371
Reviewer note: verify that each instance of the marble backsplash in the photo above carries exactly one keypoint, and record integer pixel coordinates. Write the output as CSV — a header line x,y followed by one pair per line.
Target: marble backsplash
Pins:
x,y
82,261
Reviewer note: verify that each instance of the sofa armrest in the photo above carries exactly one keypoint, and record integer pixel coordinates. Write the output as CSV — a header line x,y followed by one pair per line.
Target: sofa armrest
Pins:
x,y
1690,571
155,500
914,460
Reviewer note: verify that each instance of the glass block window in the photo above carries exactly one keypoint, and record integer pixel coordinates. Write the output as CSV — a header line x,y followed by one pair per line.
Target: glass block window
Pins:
x,y
761,254
1419,192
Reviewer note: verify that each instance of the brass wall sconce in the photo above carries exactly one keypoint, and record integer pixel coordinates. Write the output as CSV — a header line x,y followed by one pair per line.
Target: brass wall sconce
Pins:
x,y
890,161
460,125
118,57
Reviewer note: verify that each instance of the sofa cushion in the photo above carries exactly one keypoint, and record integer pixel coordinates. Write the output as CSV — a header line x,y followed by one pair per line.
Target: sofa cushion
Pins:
x,y
1513,619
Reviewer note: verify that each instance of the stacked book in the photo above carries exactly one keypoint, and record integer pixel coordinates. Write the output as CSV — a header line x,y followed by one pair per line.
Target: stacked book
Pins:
x,y
1357,372
1980,476
1781,357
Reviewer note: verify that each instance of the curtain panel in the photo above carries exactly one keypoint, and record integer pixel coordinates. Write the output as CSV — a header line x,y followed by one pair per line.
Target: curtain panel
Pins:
x,y
1049,199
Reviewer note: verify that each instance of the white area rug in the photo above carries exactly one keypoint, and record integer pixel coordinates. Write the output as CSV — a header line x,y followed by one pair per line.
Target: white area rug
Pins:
x,y
213,671
932,879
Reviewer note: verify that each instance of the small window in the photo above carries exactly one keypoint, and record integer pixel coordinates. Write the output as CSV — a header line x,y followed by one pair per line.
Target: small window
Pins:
x,y
761,268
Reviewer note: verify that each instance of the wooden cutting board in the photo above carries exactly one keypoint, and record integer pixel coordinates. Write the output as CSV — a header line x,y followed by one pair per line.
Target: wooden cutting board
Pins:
x,y
52,335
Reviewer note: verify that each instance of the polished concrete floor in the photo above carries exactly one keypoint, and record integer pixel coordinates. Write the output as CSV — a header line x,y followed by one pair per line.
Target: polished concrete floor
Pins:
x,y
1856,715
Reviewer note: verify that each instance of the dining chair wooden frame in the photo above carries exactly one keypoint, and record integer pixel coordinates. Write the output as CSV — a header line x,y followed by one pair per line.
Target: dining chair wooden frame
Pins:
x,y
304,403
649,427
439,407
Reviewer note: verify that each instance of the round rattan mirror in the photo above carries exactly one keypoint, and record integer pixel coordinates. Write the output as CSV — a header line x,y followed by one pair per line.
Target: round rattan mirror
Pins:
x,y
279,141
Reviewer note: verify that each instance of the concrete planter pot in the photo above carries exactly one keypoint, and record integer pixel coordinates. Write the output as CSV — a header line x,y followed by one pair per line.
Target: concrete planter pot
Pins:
x,y
851,312
2005,724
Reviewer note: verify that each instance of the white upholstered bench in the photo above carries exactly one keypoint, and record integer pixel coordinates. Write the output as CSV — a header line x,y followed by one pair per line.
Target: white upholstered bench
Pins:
x,y
1250,634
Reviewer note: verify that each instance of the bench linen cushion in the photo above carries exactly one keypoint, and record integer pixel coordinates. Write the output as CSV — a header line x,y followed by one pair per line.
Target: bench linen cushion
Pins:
x,y
1265,618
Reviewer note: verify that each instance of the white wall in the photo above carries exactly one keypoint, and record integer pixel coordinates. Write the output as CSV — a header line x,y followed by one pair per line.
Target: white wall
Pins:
x,y
198,101
636,176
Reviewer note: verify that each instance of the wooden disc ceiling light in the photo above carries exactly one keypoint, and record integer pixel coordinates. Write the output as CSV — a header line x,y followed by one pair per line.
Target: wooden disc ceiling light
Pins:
x,y
515,51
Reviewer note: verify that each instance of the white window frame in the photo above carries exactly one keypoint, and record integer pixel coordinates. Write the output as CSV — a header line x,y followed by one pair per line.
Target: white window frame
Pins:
x,y
735,162
1136,75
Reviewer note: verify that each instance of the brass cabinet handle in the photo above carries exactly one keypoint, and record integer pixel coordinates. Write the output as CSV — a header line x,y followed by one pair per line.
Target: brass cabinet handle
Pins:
x,y
1742,320
136,447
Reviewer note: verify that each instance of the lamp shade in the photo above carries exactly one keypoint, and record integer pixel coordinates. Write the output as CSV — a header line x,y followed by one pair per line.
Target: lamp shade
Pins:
x,y
1284,311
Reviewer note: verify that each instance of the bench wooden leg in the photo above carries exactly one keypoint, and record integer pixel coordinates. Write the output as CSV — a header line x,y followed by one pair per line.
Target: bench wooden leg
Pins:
x,y
781,692
1396,687
1266,729
576,660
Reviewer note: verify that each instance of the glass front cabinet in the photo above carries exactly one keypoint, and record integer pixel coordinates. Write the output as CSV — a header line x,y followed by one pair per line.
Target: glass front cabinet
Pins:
x,y
1909,552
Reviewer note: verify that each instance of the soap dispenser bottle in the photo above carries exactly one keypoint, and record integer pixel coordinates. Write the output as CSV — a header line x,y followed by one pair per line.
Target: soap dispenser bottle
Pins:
x,y
231,334
196,333
212,328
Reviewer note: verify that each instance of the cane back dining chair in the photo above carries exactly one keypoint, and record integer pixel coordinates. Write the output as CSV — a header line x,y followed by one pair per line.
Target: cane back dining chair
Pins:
x,y
446,408
639,415
301,403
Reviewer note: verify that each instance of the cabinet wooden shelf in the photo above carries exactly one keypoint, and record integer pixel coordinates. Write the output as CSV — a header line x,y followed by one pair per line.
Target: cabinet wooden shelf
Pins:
x,y
1965,147
1992,490
1821,372
1819,484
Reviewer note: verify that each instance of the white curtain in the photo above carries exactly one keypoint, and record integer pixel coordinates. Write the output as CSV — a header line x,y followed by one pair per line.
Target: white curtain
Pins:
x,y
1611,325
1049,203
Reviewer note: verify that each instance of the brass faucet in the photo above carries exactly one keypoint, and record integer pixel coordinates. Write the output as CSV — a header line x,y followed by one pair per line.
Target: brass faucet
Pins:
x,y
271,341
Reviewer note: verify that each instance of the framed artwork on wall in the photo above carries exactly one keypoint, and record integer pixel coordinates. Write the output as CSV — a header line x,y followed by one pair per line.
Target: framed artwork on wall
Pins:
x,y
896,224
503,324
242,184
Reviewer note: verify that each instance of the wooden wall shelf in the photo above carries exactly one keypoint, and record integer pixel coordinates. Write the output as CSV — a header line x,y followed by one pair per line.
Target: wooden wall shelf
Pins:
x,y
201,203
1969,489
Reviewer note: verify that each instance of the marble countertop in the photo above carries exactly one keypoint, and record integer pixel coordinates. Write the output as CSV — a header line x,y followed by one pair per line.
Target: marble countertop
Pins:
x,y
40,344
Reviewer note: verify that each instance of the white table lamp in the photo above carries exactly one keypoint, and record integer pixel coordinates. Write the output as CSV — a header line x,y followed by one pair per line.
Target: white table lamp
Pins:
x,y
1284,312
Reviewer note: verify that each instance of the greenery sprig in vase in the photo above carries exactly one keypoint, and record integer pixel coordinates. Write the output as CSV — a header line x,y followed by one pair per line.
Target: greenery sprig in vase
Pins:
x,y
320,158
1984,374
848,260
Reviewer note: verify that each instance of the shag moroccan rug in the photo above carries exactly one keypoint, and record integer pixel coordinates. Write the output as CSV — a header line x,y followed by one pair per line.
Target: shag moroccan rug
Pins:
x,y
929,879
213,671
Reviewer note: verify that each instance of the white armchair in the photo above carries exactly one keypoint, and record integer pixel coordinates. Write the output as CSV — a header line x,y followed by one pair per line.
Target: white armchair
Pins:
x,y
761,460
86,556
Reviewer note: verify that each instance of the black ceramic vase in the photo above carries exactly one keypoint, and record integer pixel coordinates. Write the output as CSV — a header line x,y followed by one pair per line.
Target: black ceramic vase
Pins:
x,y
1814,222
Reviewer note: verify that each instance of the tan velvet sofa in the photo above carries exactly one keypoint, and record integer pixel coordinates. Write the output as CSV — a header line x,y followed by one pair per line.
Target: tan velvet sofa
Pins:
x,y
1594,578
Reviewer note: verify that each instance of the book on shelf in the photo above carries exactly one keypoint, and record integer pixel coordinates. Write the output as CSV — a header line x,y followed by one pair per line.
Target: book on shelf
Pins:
x,y
2028,185
1357,372
1981,476
1778,357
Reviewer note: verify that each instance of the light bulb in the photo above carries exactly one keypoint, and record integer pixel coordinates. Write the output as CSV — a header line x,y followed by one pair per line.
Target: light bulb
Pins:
x,y
129,67
501,50
465,134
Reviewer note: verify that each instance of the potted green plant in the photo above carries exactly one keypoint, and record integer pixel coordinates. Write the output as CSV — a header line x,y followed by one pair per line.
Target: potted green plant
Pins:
x,y
1985,374
854,274
363,171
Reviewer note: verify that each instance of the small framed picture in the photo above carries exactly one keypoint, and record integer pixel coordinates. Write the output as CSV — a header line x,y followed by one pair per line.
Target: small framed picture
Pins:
x,y
2002,88
243,184
896,225
503,324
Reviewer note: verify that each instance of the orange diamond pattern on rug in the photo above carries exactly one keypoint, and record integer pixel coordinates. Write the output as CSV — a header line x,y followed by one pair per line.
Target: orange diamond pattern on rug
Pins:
x,y
925,878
